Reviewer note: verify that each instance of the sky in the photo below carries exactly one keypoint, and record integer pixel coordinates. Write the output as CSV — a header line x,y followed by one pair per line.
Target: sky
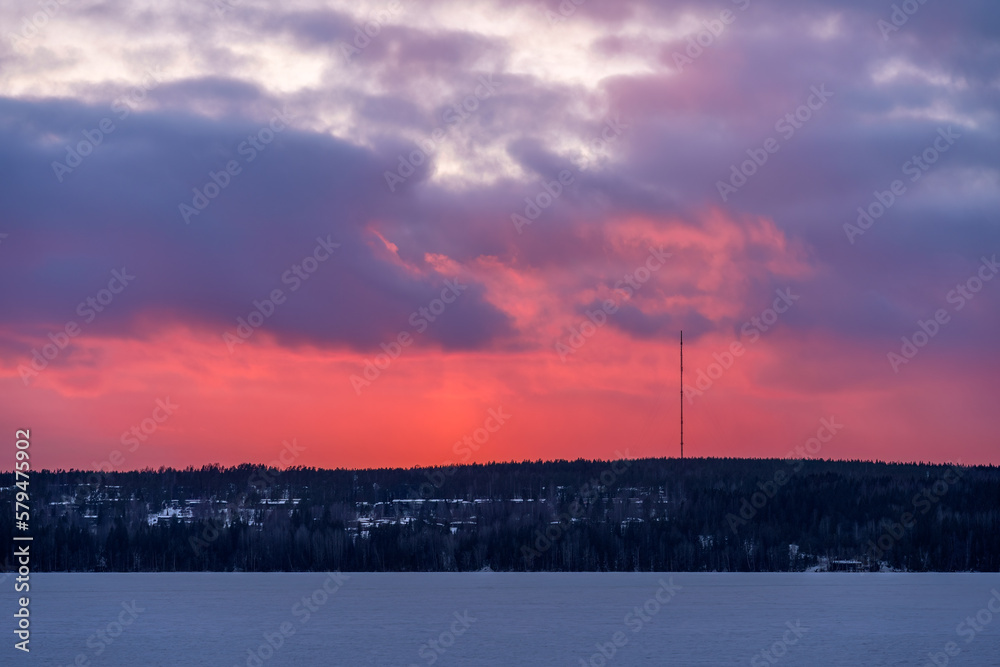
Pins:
x,y
398,233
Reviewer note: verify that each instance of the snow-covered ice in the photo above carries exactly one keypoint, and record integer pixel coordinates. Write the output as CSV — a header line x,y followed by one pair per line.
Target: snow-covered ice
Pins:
x,y
507,619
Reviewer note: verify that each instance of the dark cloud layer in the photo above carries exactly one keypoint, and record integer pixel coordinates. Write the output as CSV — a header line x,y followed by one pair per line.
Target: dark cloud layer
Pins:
x,y
890,99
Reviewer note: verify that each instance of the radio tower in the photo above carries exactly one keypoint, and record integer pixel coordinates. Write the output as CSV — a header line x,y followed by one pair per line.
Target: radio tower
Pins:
x,y
682,393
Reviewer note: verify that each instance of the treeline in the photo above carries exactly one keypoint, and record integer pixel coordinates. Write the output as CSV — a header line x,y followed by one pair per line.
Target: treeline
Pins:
x,y
649,514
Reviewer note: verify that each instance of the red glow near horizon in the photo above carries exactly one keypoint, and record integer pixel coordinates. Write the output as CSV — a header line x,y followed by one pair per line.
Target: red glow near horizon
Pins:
x,y
617,395
604,403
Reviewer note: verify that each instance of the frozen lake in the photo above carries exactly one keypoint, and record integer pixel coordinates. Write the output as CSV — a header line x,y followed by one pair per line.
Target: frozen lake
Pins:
x,y
314,619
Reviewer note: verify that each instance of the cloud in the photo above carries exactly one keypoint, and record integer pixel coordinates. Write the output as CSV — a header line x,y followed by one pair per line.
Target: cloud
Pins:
x,y
680,128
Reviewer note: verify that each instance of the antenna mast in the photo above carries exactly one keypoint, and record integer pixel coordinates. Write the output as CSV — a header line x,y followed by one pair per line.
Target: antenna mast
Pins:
x,y
682,393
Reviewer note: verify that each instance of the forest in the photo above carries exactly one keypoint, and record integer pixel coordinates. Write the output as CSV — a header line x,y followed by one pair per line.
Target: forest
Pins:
x,y
721,514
